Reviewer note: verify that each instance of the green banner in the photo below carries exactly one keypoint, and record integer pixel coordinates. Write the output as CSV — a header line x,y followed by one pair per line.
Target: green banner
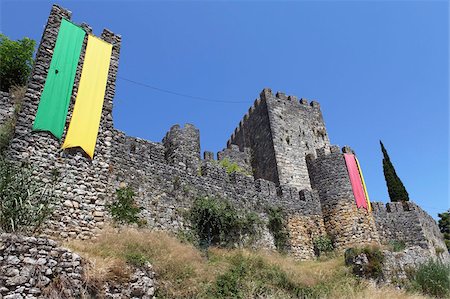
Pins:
x,y
52,110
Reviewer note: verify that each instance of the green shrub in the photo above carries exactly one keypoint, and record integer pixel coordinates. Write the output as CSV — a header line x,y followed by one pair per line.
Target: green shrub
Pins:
x,y
24,203
217,222
277,226
373,268
322,244
123,209
136,259
232,166
16,60
397,245
250,275
432,278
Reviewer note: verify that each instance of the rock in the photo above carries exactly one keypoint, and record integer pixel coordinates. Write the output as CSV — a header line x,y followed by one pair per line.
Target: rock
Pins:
x,y
68,203
29,260
98,214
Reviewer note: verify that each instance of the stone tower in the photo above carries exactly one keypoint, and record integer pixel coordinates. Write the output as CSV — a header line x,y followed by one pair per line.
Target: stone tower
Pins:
x,y
280,131
82,188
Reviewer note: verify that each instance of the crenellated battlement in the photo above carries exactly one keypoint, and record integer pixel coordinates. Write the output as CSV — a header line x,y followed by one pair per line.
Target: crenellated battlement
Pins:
x,y
407,222
267,95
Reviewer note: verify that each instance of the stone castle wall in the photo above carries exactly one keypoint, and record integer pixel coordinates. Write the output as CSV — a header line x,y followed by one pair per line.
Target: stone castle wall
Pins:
x,y
407,222
344,222
166,190
40,268
7,107
29,265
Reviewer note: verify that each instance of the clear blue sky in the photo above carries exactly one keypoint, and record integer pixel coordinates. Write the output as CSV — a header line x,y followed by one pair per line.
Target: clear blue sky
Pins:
x,y
380,70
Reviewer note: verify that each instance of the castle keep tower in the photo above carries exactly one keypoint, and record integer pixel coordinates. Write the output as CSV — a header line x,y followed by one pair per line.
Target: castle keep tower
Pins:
x,y
280,131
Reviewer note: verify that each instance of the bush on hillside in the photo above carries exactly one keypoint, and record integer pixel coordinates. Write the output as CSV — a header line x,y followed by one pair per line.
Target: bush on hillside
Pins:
x,y
253,275
432,278
216,222
372,268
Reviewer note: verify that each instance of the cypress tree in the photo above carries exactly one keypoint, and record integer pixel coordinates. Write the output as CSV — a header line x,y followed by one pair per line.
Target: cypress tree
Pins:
x,y
396,189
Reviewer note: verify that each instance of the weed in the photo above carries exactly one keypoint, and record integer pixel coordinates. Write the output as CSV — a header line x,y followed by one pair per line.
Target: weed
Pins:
x,y
373,268
397,245
432,278
322,244
124,210
277,226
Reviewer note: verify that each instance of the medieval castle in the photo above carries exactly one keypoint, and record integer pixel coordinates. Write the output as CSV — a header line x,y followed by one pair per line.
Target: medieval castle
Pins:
x,y
282,142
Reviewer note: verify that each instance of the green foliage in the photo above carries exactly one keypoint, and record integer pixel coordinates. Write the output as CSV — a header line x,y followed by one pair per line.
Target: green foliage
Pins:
x,y
24,203
231,166
247,272
277,226
136,259
124,210
374,267
397,245
444,226
432,278
396,189
16,61
322,244
217,222
188,237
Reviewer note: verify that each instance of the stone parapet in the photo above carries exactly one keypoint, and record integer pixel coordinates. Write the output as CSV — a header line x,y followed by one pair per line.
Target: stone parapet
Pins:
x,y
407,222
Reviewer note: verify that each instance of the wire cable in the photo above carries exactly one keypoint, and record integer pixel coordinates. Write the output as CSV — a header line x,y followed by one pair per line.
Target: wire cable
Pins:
x,y
182,94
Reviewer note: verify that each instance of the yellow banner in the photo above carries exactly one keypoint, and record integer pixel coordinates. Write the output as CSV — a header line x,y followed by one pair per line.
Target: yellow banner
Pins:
x,y
369,207
83,127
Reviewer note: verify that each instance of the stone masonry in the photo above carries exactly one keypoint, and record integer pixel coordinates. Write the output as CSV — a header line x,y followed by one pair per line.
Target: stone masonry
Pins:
x,y
344,222
407,222
40,268
82,189
281,144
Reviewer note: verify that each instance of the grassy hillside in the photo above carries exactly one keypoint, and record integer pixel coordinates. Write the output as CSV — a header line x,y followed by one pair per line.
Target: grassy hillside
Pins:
x,y
185,272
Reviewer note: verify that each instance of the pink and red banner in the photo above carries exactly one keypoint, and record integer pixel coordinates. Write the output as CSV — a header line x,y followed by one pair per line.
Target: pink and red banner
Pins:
x,y
355,180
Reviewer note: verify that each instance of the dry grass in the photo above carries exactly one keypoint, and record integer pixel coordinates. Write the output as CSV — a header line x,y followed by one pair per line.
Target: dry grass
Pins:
x,y
18,93
181,269
184,272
